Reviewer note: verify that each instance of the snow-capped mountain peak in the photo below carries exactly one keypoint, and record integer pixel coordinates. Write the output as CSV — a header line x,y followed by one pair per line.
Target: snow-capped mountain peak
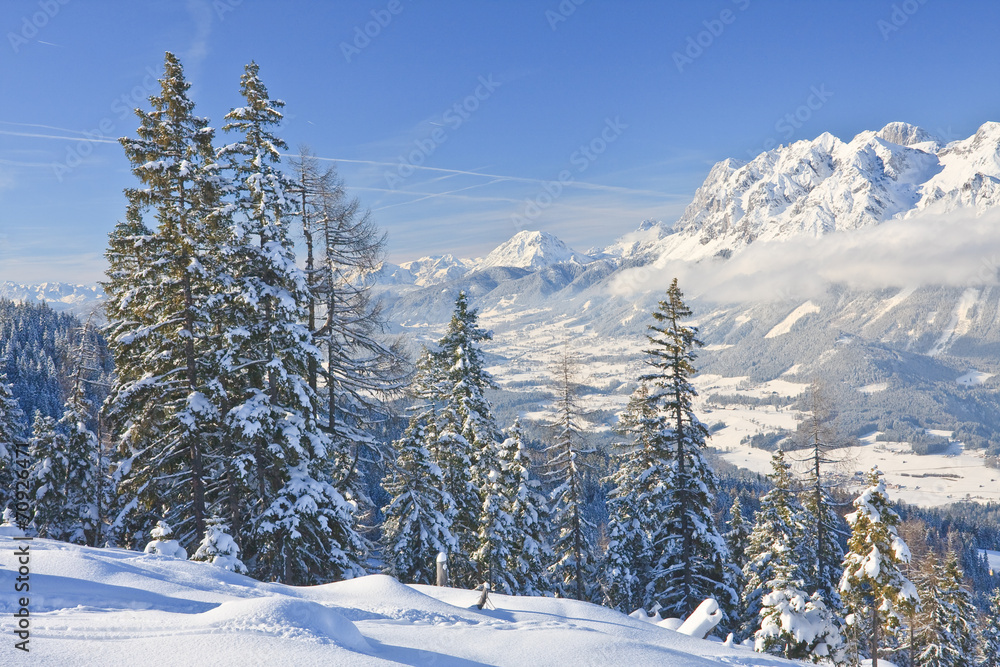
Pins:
x,y
532,250
825,185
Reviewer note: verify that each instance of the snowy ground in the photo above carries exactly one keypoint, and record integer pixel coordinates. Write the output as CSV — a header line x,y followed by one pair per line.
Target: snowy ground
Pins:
x,y
114,607
928,480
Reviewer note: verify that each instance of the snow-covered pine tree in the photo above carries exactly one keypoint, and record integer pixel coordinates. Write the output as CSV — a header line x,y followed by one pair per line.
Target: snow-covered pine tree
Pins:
x,y
692,560
162,544
495,539
989,635
949,637
573,568
303,529
418,519
738,541
529,552
85,469
774,552
10,426
53,516
791,622
219,548
161,286
627,567
798,626
824,526
455,379
873,587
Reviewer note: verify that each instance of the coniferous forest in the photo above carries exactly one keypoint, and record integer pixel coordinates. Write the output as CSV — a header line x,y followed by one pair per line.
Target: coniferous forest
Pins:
x,y
238,400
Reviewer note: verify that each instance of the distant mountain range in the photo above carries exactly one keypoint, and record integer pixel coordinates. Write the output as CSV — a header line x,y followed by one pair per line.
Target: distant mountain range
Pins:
x,y
891,352
60,296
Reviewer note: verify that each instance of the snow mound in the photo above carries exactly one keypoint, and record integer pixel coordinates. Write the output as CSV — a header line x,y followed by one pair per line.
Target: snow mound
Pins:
x,y
111,606
286,618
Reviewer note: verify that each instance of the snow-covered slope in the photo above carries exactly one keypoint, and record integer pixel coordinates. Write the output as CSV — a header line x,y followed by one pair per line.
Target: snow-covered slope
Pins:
x,y
112,607
532,250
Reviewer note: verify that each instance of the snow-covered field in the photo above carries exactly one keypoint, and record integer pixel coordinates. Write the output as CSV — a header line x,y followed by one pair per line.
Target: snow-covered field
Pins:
x,y
115,607
927,480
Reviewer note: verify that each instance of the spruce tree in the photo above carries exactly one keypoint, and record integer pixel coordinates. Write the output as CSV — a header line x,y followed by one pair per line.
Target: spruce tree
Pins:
x,y
496,525
418,519
874,588
10,426
219,548
53,516
529,551
774,552
738,541
627,567
824,526
161,283
692,560
949,638
573,568
85,468
453,378
303,529
989,644
791,622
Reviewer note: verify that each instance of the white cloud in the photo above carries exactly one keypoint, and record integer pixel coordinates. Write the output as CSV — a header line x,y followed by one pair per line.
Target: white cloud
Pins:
x,y
953,249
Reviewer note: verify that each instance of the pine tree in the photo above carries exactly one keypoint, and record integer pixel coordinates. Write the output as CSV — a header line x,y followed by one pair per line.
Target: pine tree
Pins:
x,y
791,622
824,525
219,548
418,520
10,426
738,541
949,639
774,554
496,525
85,468
53,517
573,570
692,560
627,567
465,435
529,551
873,587
303,529
163,406
162,544
798,626
989,644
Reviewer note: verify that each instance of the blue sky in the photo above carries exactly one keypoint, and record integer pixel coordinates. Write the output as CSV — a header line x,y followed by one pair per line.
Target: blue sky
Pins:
x,y
628,103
